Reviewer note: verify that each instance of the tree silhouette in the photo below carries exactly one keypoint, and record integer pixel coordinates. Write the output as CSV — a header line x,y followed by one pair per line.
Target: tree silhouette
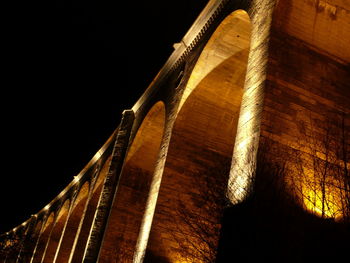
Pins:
x,y
199,224
290,184
321,165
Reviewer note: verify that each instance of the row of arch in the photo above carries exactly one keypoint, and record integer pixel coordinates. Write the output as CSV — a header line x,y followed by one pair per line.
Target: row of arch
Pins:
x,y
170,155
59,232
143,216
64,233
167,163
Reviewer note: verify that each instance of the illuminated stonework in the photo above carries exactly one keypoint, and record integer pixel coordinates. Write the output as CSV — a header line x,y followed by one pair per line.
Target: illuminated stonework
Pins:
x,y
248,130
247,74
135,180
323,204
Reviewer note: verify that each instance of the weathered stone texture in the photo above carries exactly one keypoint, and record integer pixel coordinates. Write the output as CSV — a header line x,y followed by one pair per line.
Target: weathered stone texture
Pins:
x,y
211,96
301,83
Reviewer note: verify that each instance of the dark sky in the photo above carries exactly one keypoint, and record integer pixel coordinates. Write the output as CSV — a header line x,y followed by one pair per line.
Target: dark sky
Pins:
x,y
69,69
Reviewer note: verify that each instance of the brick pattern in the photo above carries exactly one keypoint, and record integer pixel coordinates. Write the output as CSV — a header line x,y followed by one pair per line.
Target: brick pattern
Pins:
x,y
306,88
301,83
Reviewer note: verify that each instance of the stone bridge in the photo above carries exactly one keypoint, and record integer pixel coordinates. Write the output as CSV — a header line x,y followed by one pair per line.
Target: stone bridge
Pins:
x,y
247,72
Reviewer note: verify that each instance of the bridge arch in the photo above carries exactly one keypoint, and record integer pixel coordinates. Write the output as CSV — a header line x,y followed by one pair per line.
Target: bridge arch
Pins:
x,y
201,145
79,249
72,225
28,248
133,188
17,234
56,232
43,239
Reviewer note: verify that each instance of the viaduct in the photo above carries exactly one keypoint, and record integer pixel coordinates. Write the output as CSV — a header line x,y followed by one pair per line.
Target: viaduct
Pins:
x,y
248,73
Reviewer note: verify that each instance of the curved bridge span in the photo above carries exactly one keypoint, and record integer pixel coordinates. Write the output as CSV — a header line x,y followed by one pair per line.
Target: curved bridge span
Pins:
x,y
251,83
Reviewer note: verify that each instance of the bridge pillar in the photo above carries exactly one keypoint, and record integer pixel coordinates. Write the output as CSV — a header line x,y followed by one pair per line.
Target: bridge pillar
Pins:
x,y
109,188
95,192
43,238
24,252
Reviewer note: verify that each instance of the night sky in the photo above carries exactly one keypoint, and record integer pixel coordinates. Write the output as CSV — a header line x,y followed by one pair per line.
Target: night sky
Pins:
x,y
69,70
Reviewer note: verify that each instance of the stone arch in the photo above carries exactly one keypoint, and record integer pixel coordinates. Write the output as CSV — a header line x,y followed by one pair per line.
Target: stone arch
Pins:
x,y
202,142
43,239
133,188
56,232
72,225
20,233
90,212
32,235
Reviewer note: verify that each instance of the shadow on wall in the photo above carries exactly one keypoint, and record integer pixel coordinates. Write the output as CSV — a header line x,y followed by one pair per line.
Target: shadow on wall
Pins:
x,y
273,235
152,258
272,226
